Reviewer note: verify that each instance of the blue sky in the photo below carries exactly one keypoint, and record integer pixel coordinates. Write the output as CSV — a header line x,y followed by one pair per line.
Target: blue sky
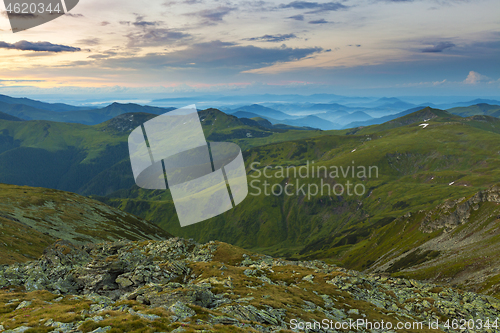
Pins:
x,y
175,47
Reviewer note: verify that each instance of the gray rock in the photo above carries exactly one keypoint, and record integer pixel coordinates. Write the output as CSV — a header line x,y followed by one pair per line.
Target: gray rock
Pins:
x,y
23,304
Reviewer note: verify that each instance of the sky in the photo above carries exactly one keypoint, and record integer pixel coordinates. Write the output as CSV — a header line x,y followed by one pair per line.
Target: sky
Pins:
x,y
140,49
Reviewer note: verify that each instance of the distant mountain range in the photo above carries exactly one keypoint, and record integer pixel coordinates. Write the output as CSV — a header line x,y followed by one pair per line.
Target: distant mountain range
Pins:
x,y
27,109
58,107
325,116
471,110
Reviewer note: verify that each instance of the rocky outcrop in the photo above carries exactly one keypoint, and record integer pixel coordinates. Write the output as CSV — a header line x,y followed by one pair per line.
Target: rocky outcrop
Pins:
x,y
456,212
179,285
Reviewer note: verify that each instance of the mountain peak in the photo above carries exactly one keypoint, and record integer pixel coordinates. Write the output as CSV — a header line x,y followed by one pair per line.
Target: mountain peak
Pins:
x,y
128,121
424,114
5,116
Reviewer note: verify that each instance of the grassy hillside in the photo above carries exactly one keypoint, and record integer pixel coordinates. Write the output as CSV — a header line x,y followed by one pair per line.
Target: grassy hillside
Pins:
x,y
33,218
478,109
5,116
418,168
456,243
94,159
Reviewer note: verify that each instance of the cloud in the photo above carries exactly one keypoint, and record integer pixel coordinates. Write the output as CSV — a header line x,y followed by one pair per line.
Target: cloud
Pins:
x,y
211,16
104,23
90,41
273,38
315,6
140,22
149,33
186,2
146,23
320,21
156,37
297,17
439,47
475,78
215,55
104,55
38,47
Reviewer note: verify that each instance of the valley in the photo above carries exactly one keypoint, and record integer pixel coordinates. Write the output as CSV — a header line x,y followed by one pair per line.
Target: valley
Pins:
x,y
427,210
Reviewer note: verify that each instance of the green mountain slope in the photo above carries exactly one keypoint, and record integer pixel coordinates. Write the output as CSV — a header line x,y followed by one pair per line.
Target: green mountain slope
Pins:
x,y
456,243
478,109
33,218
418,168
95,159
5,116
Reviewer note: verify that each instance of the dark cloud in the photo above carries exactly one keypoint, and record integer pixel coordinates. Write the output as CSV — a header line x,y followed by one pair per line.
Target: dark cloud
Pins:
x,y
140,22
357,45
104,23
145,23
315,6
38,46
439,47
150,33
273,38
297,17
212,16
320,21
156,37
215,55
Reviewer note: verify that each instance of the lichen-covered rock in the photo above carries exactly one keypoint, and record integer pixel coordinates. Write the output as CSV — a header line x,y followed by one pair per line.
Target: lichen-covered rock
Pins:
x,y
186,285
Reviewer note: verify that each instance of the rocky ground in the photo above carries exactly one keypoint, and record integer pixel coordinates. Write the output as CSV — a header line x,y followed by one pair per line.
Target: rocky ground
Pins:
x,y
178,285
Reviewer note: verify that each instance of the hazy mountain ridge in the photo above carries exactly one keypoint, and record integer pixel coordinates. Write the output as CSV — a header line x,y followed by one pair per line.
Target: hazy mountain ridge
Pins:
x,y
468,111
40,105
79,115
95,159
